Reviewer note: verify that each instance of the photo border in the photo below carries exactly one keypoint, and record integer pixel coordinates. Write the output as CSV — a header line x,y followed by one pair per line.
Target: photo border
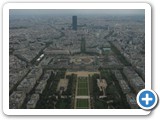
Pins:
x,y
9,6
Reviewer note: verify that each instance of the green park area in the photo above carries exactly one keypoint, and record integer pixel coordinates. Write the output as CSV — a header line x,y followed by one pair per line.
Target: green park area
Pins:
x,y
82,104
82,89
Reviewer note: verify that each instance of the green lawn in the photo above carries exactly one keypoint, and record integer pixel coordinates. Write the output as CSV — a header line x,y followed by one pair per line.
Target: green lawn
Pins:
x,y
82,104
82,86
82,92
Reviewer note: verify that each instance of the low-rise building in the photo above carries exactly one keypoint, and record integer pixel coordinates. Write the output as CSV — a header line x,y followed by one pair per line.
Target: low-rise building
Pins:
x,y
29,82
46,76
131,99
62,85
41,86
46,60
33,101
26,85
137,84
16,99
124,86
52,51
134,79
118,75
102,84
36,73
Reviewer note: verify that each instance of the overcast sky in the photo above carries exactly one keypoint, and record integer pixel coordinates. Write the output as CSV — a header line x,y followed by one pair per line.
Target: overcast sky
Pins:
x,y
77,11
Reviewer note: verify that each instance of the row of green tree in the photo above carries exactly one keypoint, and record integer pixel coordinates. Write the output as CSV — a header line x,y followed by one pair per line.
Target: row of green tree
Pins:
x,y
48,98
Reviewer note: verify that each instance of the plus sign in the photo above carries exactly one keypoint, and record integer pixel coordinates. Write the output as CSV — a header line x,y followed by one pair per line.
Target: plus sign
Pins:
x,y
147,99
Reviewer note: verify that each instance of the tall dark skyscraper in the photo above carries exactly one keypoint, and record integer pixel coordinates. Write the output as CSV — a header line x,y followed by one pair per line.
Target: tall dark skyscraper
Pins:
x,y
74,22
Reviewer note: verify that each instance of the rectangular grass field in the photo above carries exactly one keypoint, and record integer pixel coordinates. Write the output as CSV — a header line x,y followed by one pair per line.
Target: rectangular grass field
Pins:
x,y
82,89
82,104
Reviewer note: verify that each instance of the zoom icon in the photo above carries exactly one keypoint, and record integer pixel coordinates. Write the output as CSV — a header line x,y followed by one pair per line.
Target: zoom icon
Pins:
x,y
147,99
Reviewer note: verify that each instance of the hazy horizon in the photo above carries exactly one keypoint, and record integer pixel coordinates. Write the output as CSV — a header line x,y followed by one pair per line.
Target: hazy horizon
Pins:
x,y
77,12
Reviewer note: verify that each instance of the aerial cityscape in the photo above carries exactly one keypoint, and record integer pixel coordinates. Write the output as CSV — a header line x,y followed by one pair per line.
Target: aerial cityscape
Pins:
x,y
76,59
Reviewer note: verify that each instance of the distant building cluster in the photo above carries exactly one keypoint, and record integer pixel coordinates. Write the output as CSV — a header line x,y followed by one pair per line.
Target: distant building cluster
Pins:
x,y
135,81
17,69
16,99
123,84
33,101
28,83
53,51
131,99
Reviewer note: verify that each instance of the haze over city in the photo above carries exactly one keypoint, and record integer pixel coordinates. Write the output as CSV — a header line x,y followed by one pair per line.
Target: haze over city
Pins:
x,y
77,12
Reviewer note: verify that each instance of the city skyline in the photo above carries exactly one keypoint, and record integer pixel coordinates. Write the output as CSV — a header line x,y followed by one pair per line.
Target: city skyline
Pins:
x,y
66,62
